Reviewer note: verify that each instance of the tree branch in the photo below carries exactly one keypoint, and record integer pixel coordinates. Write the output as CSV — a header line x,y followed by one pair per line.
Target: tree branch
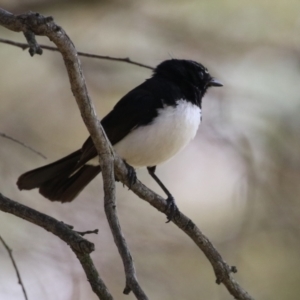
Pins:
x,y
222,270
84,54
80,246
15,267
22,144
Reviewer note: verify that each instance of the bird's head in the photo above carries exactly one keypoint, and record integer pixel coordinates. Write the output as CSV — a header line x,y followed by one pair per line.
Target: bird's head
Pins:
x,y
187,72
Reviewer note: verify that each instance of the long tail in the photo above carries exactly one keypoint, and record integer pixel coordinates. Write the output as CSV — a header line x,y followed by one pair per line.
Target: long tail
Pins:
x,y
62,180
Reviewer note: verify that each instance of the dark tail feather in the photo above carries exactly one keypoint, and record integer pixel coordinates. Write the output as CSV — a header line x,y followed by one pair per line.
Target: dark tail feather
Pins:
x,y
62,180
37,177
64,188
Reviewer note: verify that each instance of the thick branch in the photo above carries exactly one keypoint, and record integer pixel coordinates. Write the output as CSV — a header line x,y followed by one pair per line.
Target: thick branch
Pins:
x,y
63,231
106,154
222,270
80,246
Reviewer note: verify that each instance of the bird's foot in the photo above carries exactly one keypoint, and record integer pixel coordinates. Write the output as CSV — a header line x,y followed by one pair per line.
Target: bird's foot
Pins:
x,y
171,209
131,175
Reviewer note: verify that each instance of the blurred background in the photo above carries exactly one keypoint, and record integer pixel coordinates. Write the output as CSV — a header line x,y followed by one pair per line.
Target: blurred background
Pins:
x,y
238,180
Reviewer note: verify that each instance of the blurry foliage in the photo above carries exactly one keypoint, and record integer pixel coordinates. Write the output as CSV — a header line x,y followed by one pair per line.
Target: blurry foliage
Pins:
x,y
239,179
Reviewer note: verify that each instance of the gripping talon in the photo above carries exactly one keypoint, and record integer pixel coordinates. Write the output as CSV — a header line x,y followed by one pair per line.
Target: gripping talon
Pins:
x,y
172,209
131,175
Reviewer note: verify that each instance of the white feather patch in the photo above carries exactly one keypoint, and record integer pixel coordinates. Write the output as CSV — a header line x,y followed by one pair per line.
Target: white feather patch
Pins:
x,y
170,132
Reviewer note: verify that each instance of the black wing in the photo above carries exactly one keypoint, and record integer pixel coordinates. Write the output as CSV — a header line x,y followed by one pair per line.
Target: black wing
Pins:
x,y
137,108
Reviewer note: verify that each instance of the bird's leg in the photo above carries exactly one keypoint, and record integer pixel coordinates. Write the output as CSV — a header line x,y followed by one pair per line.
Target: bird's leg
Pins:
x,y
131,175
171,205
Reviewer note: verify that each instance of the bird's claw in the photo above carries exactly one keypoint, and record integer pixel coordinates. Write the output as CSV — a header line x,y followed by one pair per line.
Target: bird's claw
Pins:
x,y
171,209
131,175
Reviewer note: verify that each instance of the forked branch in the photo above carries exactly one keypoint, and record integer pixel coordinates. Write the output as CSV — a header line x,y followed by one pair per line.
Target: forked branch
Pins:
x,y
80,246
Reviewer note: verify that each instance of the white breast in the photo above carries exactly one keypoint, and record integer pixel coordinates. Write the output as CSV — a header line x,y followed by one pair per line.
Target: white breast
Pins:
x,y
157,142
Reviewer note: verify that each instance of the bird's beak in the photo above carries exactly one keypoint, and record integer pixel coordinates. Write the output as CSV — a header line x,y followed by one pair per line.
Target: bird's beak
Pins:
x,y
214,82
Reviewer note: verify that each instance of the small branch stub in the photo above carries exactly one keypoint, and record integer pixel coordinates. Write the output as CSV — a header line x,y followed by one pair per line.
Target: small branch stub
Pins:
x,y
34,47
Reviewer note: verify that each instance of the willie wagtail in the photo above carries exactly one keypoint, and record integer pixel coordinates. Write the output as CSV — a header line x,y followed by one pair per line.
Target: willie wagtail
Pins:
x,y
146,127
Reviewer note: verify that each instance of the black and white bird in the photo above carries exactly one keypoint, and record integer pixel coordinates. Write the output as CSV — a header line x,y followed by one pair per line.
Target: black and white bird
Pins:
x,y
148,126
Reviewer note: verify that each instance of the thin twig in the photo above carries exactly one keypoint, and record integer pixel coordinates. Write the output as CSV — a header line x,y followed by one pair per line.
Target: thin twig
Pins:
x,y
15,266
80,246
22,144
84,54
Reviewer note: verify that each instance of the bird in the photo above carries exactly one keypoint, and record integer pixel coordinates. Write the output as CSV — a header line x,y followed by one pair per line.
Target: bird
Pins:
x,y
147,126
